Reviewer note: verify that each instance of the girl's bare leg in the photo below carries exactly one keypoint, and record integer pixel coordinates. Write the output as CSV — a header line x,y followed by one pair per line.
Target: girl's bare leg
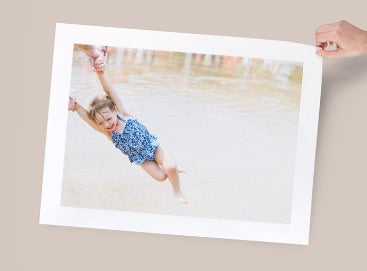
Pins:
x,y
170,168
154,170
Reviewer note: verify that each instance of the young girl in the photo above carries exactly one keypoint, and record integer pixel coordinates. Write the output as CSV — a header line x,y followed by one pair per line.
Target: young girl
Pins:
x,y
107,115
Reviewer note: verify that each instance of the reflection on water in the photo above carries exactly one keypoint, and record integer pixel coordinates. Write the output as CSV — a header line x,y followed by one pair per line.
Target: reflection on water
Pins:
x,y
226,119
263,87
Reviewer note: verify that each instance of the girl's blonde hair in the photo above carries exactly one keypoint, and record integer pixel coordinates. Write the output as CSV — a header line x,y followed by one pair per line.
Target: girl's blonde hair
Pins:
x,y
98,103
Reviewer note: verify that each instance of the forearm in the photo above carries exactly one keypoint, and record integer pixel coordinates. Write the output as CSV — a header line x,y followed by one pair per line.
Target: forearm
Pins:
x,y
111,92
106,84
83,114
90,50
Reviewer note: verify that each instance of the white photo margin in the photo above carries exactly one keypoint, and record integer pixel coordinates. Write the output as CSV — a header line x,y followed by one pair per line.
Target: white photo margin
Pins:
x,y
52,213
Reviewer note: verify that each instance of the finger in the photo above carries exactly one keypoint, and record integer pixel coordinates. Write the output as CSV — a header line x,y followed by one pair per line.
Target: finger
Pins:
x,y
330,54
326,28
322,45
326,37
99,68
99,63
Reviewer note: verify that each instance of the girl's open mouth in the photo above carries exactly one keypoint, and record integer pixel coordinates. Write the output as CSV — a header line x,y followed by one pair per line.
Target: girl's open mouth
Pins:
x,y
110,128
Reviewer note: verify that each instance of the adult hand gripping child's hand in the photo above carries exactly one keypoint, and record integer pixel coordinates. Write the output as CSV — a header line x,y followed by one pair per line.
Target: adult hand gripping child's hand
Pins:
x,y
94,53
100,53
99,65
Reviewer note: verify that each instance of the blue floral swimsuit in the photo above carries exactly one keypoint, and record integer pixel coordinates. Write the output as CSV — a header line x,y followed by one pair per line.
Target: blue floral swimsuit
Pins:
x,y
135,141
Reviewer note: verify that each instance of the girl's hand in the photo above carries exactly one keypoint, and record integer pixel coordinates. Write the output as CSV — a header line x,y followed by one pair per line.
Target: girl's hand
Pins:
x,y
99,64
72,104
94,53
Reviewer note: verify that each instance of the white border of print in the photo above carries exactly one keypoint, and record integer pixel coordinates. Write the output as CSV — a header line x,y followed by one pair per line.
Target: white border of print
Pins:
x,y
297,232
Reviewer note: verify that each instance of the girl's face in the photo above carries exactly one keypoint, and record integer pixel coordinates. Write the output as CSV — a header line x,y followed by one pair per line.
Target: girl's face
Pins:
x,y
107,119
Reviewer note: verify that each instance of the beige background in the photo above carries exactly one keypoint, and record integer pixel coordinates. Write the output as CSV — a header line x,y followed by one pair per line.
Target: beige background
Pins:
x,y
339,221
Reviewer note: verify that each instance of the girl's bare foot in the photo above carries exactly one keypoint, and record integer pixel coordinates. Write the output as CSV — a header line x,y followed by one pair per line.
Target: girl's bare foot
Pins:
x,y
180,197
179,170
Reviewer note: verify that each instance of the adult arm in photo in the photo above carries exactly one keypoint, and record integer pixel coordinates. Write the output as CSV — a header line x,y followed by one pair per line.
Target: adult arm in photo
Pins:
x,y
94,53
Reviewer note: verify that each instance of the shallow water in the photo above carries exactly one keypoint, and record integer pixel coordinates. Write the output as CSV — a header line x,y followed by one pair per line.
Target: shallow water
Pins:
x,y
230,122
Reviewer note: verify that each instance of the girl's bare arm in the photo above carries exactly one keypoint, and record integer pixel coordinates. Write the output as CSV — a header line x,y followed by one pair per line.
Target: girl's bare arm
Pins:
x,y
83,113
112,93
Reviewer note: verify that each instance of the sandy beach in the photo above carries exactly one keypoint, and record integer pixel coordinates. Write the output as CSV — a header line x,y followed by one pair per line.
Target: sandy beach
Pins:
x,y
234,135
